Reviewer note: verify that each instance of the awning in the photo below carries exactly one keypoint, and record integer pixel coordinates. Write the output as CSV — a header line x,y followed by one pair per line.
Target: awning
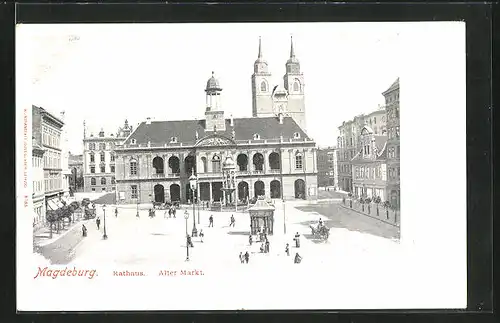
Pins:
x,y
51,205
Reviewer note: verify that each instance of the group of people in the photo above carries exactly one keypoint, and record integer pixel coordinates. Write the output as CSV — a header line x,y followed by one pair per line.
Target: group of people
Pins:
x,y
244,257
171,212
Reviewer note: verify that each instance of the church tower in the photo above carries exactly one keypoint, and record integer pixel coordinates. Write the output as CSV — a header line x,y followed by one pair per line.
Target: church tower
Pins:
x,y
294,84
262,105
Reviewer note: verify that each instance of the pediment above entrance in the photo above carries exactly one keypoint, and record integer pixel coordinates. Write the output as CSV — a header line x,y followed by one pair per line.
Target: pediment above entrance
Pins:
x,y
215,140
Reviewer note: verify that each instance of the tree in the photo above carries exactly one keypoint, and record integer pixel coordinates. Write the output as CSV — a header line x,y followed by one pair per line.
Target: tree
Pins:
x,y
51,217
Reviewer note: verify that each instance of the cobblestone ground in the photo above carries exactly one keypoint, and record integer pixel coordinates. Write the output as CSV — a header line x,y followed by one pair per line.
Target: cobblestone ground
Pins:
x,y
340,217
61,251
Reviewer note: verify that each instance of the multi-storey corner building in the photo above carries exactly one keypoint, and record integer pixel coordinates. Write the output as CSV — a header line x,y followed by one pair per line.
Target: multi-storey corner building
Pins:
x,y
75,163
327,167
65,171
99,166
37,174
348,142
47,130
369,165
393,146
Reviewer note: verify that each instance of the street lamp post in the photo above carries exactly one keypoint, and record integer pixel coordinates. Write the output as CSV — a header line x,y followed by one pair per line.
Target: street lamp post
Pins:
x,y
192,182
284,217
104,236
186,216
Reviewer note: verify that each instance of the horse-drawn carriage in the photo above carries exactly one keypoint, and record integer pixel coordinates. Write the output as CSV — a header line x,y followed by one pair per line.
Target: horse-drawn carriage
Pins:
x,y
320,232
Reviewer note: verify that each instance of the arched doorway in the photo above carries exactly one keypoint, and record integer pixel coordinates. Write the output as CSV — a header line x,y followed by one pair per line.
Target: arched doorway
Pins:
x,y
394,199
174,164
159,191
259,188
275,188
242,161
158,165
300,189
274,161
175,193
243,191
258,162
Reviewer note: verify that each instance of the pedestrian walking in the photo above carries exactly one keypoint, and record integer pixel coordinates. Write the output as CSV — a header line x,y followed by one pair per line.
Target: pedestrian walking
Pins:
x,y
84,230
247,257
232,221
267,246
116,212
297,259
242,258
287,249
201,235
174,211
98,222
262,249
297,240
211,221
250,239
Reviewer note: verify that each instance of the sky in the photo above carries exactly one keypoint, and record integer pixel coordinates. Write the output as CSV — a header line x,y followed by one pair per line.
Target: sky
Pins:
x,y
104,74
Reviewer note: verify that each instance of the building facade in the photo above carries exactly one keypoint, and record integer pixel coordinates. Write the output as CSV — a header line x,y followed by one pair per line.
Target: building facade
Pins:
x,y
327,167
289,99
75,164
38,195
65,171
99,163
47,130
274,157
348,141
369,166
393,144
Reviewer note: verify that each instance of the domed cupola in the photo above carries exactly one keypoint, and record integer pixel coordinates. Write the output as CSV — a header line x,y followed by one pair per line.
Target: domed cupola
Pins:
x,y
213,84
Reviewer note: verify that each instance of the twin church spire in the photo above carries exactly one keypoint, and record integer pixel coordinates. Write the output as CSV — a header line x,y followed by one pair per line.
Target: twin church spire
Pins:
x,y
292,64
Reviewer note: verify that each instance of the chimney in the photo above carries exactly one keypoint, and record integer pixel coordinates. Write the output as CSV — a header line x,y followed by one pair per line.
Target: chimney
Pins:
x,y
280,116
148,120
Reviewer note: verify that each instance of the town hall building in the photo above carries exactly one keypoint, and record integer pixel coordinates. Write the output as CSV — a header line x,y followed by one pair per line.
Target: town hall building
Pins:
x,y
272,154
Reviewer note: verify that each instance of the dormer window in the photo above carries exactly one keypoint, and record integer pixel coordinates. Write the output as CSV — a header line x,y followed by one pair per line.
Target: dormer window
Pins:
x,y
296,135
173,140
133,141
256,136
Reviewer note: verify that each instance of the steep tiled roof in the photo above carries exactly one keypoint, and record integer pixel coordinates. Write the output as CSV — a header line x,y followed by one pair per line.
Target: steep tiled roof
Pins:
x,y
160,132
394,86
380,143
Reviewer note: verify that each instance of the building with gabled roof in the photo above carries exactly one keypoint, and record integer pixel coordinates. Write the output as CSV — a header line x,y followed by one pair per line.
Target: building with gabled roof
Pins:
x,y
274,156
369,166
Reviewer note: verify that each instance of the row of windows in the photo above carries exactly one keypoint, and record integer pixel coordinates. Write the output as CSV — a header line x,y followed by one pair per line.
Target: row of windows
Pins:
x,y
393,114
102,168
296,85
347,155
345,168
102,158
93,181
393,152
216,164
368,172
393,132
53,184
37,186
51,137
394,173
102,145
392,98
52,159
37,161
